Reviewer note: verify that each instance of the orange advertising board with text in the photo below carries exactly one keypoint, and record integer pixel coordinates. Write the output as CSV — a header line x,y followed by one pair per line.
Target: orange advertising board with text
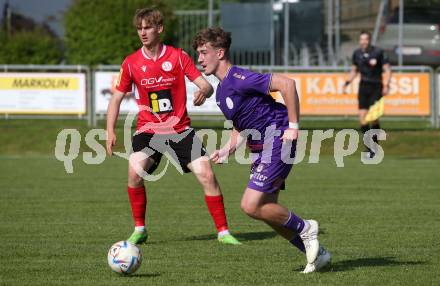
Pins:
x,y
323,94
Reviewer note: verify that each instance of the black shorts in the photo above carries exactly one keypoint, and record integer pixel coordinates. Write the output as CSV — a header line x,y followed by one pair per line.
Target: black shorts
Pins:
x,y
183,148
369,93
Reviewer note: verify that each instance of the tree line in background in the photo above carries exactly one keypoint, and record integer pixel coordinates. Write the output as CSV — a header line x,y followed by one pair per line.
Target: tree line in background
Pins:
x,y
96,32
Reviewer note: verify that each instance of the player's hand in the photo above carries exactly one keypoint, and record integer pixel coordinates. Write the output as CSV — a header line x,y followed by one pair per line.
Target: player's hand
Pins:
x,y
290,134
219,156
385,90
344,89
111,141
199,98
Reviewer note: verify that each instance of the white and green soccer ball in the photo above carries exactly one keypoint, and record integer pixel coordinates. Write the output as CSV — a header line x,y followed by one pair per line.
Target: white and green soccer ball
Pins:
x,y
124,257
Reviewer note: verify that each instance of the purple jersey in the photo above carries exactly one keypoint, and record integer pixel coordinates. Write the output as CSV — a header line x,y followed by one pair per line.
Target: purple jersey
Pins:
x,y
243,97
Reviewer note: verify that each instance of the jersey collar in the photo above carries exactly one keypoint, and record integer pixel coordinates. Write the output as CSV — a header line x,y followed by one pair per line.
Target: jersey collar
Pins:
x,y
162,52
368,49
227,73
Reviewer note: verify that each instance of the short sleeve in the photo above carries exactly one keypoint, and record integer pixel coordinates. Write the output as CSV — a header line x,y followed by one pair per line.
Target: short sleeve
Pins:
x,y
353,59
125,82
188,66
254,82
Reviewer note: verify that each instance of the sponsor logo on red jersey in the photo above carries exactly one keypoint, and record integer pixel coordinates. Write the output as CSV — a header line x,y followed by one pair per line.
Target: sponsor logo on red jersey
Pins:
x,y
159,84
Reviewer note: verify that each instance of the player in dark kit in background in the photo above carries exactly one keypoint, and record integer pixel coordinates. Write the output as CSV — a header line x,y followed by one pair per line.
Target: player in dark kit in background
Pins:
x,y
243,97
371,62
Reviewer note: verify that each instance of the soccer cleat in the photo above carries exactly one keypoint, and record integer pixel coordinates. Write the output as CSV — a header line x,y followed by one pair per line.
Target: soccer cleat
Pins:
x,y
369,153
324,258
228,239
366,155
310,240
310,267
138,237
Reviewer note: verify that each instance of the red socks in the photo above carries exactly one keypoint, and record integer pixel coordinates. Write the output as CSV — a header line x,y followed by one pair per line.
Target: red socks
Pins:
x,y
138,202
217,210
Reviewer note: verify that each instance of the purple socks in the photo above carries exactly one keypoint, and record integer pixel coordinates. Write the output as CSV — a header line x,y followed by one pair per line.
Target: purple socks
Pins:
x,y
296,224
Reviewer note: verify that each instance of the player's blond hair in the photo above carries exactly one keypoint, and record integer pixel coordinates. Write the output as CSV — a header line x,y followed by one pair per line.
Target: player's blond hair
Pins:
x,y
152,17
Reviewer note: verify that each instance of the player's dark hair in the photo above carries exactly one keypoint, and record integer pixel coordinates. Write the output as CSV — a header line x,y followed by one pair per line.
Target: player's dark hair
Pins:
x,y
152,16
217,37
365,32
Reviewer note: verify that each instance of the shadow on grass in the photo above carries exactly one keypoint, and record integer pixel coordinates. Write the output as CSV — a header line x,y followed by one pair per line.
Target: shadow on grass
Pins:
x,y
246,236
243,237
144,275
351,264
260,235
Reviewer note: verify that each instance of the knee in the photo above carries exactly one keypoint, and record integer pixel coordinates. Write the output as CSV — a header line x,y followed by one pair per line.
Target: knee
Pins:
x,y
250,209
207,178
136,165
134,180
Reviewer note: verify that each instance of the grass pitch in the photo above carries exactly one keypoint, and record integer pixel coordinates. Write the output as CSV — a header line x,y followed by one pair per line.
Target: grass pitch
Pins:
x,y
381,223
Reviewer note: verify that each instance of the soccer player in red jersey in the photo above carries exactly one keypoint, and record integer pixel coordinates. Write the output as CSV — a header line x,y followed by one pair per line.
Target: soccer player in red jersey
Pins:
x,y
157,73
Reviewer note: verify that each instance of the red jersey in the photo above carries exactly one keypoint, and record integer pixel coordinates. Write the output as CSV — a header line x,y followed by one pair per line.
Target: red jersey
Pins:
x,y
159,88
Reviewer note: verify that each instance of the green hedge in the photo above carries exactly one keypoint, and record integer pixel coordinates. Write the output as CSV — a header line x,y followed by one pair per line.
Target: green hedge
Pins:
x,y
29,47
101,31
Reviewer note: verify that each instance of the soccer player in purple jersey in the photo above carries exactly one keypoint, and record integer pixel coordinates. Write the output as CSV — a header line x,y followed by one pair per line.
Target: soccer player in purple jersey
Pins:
x,y
243,97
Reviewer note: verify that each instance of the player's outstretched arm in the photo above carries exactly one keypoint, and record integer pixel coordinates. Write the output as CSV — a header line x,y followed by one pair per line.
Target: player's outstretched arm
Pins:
x,y
112,117
287,87
205,91
220,156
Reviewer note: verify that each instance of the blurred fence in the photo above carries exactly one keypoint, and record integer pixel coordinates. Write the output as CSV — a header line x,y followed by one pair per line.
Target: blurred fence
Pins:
x,y
189,23
192,21
303,33
79,92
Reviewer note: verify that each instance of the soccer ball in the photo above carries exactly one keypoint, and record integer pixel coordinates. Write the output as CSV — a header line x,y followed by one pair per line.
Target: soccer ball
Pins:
x,y
124,257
